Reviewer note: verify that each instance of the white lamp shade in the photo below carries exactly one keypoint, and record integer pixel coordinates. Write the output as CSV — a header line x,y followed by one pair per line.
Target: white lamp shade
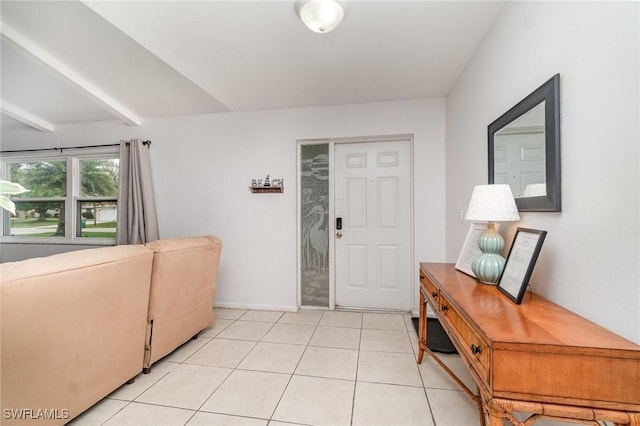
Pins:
x,y
321,16
492,203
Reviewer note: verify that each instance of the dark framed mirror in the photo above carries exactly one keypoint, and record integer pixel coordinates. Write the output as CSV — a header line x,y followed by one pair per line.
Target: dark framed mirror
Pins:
x,y
524,149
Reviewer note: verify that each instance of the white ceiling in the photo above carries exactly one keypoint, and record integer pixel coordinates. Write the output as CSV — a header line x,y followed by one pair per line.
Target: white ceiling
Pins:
x,y
80,62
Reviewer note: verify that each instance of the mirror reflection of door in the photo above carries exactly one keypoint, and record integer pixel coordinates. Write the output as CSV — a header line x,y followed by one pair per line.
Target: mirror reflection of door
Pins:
x,y
519,154
373,249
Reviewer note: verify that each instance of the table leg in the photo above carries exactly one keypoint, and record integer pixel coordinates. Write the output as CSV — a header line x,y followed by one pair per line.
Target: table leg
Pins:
x,y
422,327
494,412
494,420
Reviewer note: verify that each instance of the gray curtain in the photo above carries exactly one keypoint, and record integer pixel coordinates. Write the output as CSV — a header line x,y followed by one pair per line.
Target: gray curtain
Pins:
x,y
137,220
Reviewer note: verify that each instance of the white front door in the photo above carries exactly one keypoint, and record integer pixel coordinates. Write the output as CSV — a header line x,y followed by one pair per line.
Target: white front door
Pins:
x,y
373,248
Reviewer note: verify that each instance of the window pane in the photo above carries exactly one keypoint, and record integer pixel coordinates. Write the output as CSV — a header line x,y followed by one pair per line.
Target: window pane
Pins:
x,y
97,219
42,178
99,178
314,199
37,219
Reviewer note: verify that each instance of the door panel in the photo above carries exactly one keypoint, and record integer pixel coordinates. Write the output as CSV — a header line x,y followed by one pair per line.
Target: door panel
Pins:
x,y
373,250
357,264
388,202
388,267
357,207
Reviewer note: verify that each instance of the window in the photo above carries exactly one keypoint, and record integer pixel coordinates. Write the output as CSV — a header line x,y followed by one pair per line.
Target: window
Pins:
x,y
97,205
71,199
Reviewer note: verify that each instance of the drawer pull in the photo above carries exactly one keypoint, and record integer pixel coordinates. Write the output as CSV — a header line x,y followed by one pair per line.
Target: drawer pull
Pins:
x,y
476,349
444,307
434,294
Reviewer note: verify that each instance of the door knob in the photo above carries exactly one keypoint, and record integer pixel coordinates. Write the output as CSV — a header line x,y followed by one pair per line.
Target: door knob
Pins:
x,y
338,235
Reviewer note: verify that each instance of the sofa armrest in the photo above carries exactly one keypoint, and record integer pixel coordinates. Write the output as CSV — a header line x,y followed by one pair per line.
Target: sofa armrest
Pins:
x,y
183,287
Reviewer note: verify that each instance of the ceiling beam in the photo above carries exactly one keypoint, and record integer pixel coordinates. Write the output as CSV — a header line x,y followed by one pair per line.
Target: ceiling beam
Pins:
x,y
94,94
25,117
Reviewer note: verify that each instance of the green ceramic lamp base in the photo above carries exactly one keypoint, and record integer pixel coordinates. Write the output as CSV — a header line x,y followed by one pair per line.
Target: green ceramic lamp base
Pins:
x,y
489,265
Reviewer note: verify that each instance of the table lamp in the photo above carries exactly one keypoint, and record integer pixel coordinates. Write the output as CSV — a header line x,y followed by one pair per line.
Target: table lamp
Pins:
x,y
491,203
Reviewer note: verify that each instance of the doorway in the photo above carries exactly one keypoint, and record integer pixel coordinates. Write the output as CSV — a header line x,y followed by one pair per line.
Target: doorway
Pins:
x,y
356,223
373,203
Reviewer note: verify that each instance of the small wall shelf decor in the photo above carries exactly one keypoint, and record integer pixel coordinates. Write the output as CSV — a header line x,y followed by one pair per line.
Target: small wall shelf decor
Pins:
x,y
267,186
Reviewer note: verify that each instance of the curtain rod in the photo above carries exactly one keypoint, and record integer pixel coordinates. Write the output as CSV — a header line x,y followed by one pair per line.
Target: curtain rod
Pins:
x,y
147,143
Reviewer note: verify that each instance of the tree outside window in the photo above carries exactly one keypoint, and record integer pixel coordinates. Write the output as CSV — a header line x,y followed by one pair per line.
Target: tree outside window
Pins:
x,y
41,211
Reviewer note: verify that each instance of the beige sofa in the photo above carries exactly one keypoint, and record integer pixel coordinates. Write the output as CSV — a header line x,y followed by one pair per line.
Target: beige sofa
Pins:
x,y
76,326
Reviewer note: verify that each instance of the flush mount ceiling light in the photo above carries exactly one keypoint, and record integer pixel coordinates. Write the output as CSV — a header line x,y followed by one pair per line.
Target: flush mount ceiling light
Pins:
x,y
321,16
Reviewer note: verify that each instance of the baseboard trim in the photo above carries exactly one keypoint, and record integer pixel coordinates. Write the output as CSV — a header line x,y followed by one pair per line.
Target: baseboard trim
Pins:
x,y
256,307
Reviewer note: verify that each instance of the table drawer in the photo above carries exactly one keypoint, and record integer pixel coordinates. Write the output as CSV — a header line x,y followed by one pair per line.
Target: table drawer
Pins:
x,y
475,348
430,290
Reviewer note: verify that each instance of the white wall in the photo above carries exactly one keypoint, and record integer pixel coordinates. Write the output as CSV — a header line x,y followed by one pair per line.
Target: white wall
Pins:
x,y
203,166
590,259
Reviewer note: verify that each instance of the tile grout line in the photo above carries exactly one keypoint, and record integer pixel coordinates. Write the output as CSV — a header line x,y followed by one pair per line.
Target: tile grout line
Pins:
x,y
293,372
355,381
232,369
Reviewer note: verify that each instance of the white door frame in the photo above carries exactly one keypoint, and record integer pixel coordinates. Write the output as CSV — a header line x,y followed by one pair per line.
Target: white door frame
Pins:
x,y
332,220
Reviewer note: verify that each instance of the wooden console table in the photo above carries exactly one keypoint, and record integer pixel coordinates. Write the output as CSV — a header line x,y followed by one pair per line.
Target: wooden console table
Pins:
x,y
536,357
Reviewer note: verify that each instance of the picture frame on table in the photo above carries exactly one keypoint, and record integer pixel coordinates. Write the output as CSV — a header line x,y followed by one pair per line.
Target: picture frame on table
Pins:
x,y
520,262
470,249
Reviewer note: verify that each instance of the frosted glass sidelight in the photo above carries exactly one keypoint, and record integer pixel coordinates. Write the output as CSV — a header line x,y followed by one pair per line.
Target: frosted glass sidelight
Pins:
x,y
314,199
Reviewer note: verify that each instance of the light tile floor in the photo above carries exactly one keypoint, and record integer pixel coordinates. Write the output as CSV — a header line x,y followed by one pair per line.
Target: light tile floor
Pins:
x,y
306,368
